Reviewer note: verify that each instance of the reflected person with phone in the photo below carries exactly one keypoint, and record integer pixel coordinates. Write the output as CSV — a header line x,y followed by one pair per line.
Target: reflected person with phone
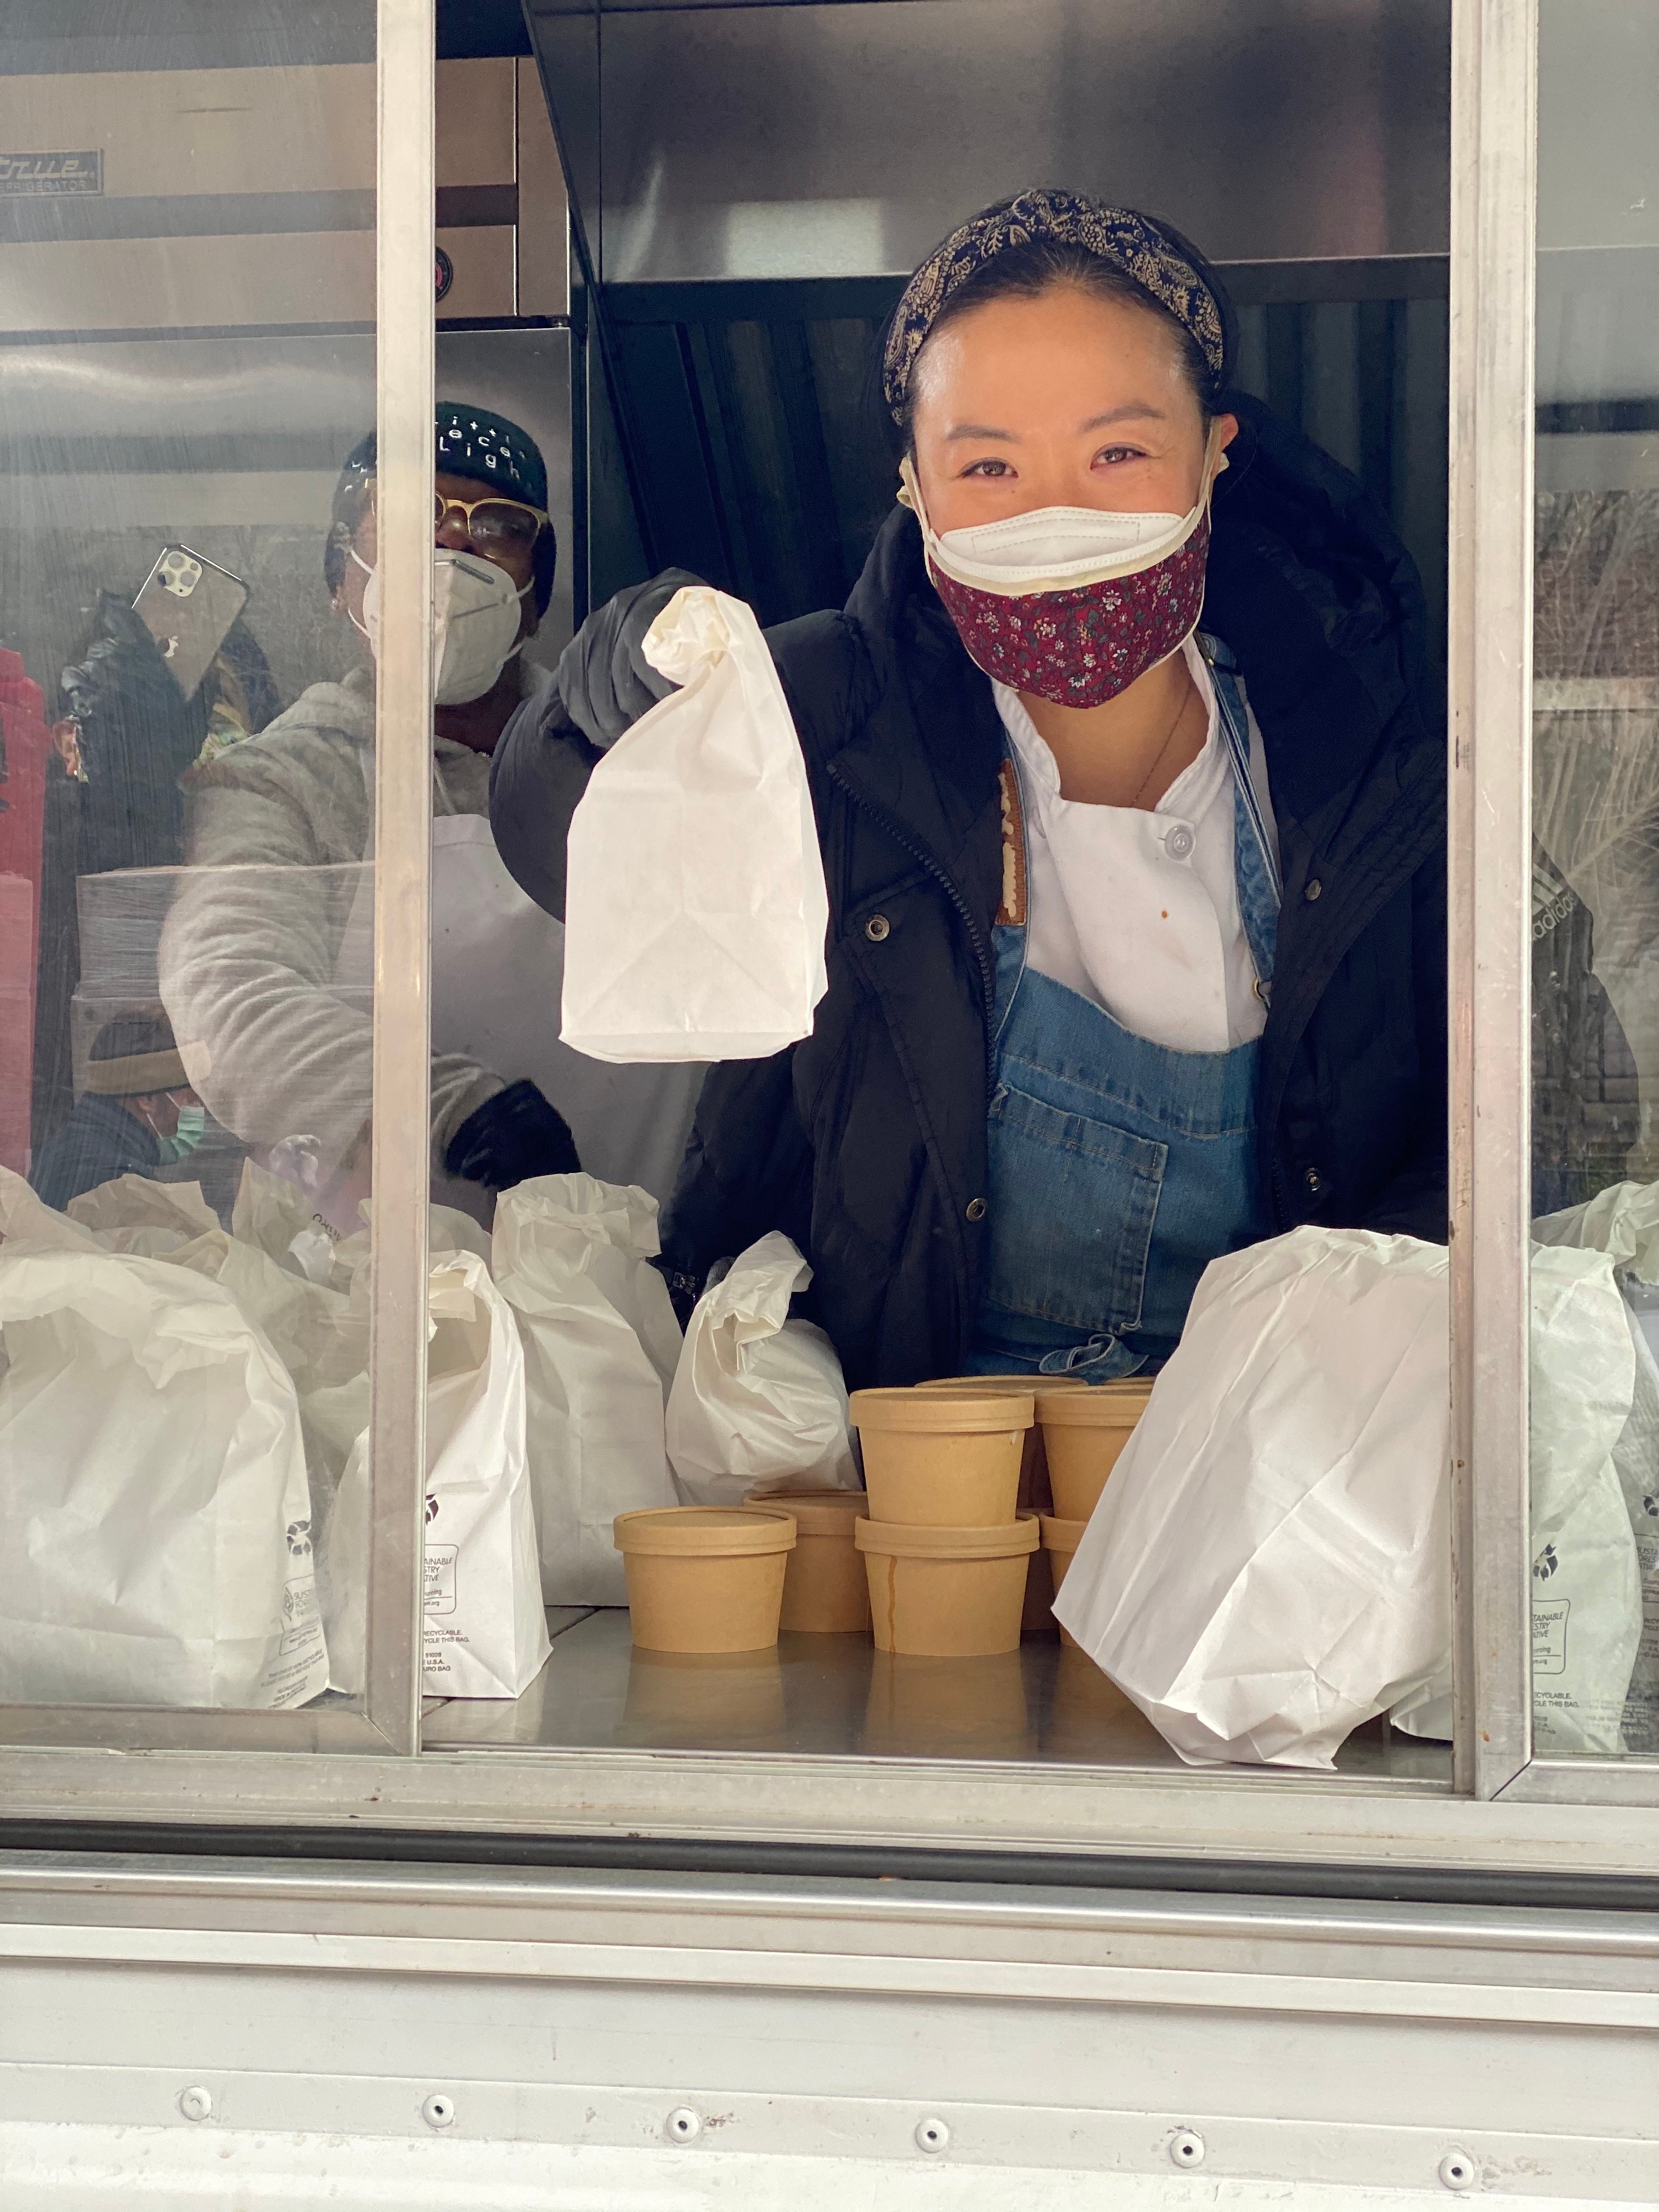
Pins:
x,y
267,955
268,950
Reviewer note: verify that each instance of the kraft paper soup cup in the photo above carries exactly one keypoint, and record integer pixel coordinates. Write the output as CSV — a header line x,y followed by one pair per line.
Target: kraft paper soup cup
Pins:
x,y
1034,1463
705,1577
826,1592
937,1459
1083,1431
1060,1539
946,1593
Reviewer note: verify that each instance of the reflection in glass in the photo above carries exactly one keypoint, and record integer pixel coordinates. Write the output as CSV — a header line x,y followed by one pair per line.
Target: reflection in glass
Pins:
x,y
187,355
1594,1501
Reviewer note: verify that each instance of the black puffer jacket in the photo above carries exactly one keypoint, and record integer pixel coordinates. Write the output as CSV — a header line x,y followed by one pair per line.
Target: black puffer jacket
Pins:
x,y
866,1143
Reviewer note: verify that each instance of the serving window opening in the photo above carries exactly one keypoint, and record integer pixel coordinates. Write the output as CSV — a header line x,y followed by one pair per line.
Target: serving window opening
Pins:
x,y
929,880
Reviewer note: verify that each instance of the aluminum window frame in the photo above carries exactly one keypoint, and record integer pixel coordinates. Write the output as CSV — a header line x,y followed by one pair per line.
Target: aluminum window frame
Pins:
x,y
1502,1808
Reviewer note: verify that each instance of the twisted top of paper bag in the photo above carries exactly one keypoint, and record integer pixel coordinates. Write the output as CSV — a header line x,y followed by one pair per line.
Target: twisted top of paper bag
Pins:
x,y
697,627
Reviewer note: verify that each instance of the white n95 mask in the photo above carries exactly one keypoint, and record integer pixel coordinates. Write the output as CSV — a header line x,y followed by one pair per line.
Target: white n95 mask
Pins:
x,y
475,622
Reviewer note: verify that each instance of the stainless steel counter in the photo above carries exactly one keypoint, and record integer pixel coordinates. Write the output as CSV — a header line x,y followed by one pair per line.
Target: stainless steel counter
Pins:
x,y
832,1695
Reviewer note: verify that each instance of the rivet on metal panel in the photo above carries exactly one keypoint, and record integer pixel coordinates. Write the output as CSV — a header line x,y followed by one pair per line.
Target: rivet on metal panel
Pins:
x,y
684,2124
932,2136
1458,2170
439,2110
196,2104
1186,2148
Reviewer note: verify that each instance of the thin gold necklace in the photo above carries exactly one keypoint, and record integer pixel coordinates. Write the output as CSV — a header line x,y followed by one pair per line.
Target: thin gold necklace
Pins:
x,y
1181,716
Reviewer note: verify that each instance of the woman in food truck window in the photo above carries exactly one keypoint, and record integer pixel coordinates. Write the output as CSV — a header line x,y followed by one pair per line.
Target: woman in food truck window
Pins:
x,y
1132,808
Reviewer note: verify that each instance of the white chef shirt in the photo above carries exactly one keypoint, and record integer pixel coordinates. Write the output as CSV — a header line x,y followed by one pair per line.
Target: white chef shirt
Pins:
x,y
1138,910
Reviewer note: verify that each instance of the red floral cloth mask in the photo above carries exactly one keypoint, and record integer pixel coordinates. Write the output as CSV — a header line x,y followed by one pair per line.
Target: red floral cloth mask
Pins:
x,y
1081,647
1071,604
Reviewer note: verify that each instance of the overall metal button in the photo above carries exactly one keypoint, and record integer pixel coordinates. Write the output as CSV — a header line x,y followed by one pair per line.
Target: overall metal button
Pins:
x,y
1315,887
976,1209
1179,843
1313,1180
878,929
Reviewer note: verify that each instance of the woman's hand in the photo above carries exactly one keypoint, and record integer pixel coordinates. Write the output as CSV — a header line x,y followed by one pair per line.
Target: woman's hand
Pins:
x,y
603,680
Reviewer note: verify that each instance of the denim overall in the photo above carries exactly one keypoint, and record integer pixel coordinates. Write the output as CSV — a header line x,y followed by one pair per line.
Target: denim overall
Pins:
x,y
1119,1169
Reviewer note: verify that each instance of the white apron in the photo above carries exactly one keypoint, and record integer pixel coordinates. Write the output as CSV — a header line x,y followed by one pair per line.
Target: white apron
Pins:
x,y
497,978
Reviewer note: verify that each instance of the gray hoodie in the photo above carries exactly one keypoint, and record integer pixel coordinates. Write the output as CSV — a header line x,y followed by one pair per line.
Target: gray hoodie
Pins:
x,y
277,832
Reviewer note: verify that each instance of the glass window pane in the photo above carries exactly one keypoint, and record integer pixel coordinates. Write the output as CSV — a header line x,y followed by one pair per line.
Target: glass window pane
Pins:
x,y
187,234
1595,887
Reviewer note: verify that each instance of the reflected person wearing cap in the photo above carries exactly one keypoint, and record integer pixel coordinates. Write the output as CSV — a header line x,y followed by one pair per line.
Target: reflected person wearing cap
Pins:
x,y
138,1113
267,955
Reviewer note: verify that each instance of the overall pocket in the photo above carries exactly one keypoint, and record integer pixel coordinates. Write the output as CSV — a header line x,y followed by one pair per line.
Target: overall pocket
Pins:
x,y
1074,1202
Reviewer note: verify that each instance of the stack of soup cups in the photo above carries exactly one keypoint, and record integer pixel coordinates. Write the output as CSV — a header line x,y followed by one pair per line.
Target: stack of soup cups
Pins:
x,y
1084,1433
946,1546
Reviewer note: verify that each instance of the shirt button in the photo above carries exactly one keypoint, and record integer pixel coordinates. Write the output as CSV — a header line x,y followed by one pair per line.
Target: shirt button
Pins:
x,y
878,929
1315,887
976,1209
1313,1180
1179,843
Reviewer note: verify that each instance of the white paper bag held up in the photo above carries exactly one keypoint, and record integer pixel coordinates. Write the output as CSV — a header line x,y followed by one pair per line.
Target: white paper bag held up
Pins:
x,y
758,1401
695,909
485,1633
154,1509
1270,1562
573,1259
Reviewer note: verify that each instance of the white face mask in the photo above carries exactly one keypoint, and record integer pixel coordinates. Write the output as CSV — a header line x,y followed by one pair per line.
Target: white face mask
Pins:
x,y
476,614
1058,549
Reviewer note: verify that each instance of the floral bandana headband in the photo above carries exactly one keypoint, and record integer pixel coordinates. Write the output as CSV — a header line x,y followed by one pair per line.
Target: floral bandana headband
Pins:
x,y
1128,241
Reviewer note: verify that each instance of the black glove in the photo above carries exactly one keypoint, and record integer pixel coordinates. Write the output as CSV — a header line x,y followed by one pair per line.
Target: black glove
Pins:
x,y
137,738
512,1137
603,681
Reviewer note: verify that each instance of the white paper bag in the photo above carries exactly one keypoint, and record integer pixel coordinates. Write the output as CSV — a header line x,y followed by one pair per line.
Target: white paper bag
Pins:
x,y
485,1633
1623,1222
136,1202
27,1222
1270,1562
573,1259
695,909
155,1514
1586,1594
1635,1457
758,1401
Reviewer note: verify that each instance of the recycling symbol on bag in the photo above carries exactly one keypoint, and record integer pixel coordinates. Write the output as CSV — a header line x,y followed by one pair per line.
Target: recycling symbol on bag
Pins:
x,y
1650,1506
1546,1564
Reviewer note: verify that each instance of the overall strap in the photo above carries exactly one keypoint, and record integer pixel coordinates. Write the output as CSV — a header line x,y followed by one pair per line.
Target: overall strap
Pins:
x,y
1236,727
1255,864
